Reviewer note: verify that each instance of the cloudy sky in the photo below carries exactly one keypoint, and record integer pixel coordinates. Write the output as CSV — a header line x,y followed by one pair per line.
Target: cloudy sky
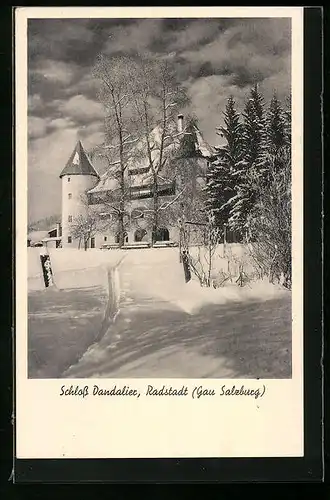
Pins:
x,y
213,58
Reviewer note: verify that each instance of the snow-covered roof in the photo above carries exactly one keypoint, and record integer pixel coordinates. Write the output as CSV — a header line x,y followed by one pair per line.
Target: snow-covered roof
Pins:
x,y
79,163
106,183
37,235
54,238
138,167
53,229
205,150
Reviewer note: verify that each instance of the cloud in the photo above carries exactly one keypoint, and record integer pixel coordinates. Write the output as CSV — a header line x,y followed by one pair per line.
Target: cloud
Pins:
x,y
37,127
79,108
54,72
87,85
41,127
58,39
213,58
92,134
157,36
209,95
47,156
71,40
195,33
278,82
248,51
208,99
61,123
77,117
35,103
133,38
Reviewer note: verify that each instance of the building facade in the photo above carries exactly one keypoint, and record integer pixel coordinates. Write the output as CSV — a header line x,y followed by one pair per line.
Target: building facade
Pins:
x,y
86,194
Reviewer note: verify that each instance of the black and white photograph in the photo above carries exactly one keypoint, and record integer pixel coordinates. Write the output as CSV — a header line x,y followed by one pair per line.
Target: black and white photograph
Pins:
x,y
159,195
159,166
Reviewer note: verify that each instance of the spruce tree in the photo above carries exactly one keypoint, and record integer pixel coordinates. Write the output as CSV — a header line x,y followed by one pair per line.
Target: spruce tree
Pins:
x,y
188,170
253,166
222,171
232,133
212,199
287,122
275,127
254,131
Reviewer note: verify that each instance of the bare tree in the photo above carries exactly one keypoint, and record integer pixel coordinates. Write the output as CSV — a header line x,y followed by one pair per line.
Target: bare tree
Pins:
x,y
84,227
270,243
115,77
201,257
157,98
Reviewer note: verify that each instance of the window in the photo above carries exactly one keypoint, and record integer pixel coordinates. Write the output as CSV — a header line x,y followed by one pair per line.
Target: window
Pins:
x,y
69,179
70,196
69,239
140,234
161,234
70,218
125,237
105,238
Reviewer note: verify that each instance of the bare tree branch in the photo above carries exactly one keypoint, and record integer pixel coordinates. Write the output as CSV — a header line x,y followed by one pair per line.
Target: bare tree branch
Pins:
x,y
167,205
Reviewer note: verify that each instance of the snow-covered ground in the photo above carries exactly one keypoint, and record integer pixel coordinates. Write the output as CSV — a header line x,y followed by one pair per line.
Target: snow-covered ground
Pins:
x,y
68,266
61,327
166,327
151,340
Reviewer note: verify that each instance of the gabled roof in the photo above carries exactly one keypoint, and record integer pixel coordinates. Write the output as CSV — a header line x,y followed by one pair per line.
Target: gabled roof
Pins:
x,y
201,146
138,164
79,163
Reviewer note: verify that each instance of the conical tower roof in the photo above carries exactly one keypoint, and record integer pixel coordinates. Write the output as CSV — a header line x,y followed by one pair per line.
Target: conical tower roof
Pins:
x,y
79,163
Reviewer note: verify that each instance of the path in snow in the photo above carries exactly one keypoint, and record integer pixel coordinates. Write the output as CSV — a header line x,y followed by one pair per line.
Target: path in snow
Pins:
x,y
62,326
166,328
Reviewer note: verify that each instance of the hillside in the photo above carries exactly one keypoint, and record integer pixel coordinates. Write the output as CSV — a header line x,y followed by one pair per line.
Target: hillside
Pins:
x,y
44,224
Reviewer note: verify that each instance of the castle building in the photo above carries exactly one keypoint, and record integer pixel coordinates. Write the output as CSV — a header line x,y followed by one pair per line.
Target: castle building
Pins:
x,y
85,192
78,177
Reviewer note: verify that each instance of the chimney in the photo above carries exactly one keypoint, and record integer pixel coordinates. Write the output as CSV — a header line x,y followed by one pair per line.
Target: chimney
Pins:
x,y
180,123
58,229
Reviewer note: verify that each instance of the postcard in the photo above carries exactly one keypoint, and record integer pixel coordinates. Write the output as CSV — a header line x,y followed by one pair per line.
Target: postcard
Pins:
x,y
159,234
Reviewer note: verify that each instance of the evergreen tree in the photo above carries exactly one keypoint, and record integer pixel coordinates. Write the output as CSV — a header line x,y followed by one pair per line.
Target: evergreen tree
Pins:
x,y
269,220
221,173
254,131
270,223
253,166
287,122
232,133
189,171
214,198
275,127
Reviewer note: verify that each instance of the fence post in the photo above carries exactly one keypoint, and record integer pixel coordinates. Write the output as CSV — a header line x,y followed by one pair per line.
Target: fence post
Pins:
x,y
180,246
186,267
224,239
180,238
46,269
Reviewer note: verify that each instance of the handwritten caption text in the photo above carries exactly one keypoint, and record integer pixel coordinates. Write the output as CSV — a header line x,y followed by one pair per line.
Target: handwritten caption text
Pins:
x,y
197,392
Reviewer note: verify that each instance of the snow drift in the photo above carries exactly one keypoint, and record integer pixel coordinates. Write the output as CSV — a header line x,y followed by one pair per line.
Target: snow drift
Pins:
x,y
193,297
68,266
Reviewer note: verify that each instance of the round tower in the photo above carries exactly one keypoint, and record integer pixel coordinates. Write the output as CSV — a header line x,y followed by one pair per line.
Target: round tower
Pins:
x,y
78,176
